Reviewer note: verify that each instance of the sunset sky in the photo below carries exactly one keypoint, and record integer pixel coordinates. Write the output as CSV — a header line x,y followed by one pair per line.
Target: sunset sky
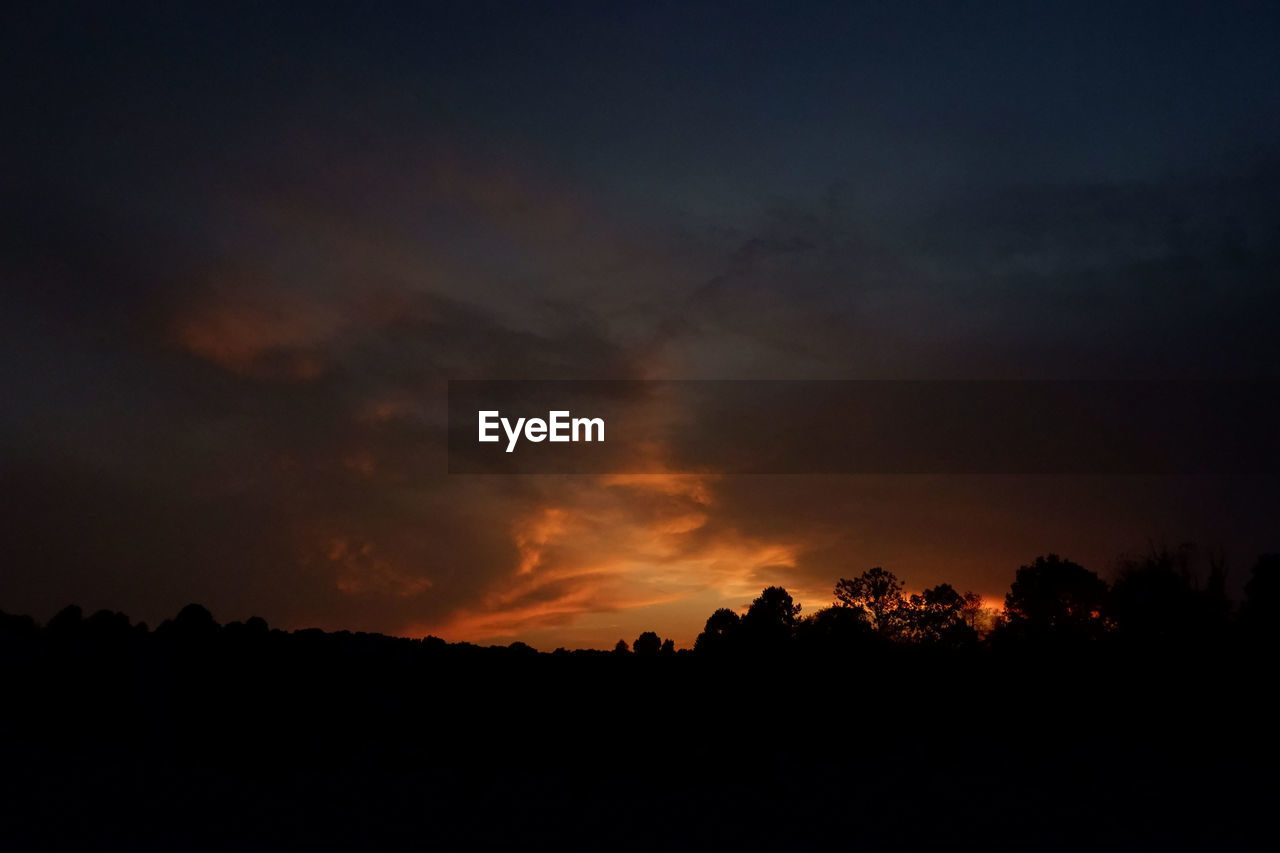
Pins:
x,y
247,247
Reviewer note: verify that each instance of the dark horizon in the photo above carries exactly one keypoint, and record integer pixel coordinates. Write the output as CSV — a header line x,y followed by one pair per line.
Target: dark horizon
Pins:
x,y
1123,716
1137,594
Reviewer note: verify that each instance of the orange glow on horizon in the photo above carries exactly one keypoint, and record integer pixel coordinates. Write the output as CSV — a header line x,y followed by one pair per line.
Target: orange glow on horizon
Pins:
x,y
620,545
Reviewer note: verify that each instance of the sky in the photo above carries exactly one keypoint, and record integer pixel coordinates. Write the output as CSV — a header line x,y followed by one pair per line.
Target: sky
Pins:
x,y
247,246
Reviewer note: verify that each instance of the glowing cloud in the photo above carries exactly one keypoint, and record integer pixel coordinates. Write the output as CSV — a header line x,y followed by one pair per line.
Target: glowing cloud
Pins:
x,y
619,545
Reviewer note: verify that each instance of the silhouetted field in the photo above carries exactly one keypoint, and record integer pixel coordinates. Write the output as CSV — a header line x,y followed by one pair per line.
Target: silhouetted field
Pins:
x,y
241,737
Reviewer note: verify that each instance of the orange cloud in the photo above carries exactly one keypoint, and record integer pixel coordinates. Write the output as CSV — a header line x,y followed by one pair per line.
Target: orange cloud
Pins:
x,y
619,545
390,408
259,334
695,487
360,462
361,570
534,535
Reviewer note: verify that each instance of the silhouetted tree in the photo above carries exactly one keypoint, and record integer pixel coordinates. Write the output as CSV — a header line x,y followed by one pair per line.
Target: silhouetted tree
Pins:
x,y
194,623
1261,611
17,627
770,621
1055,596
937,616
621,648
106,629
1155,599
720,633
833,629
972,611
647,644
878,594
668,648
67,623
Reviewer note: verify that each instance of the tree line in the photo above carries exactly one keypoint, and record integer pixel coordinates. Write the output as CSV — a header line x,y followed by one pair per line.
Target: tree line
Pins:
x,y
890,718
1156,599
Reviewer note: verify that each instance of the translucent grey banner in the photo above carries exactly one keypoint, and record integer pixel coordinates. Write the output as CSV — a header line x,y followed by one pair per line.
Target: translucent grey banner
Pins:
x,y
864,427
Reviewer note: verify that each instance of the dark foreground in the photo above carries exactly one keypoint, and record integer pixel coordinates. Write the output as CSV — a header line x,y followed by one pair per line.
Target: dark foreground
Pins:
x,y
247,739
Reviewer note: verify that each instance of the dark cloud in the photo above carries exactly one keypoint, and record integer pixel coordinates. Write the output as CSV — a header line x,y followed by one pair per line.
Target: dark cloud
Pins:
x,y
1085,280
246,249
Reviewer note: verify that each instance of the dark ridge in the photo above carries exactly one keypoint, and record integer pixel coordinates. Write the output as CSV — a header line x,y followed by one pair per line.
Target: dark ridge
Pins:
x,y
1131,715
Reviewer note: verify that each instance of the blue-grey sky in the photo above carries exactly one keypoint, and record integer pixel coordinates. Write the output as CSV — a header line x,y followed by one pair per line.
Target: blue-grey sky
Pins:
x,y
247,244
